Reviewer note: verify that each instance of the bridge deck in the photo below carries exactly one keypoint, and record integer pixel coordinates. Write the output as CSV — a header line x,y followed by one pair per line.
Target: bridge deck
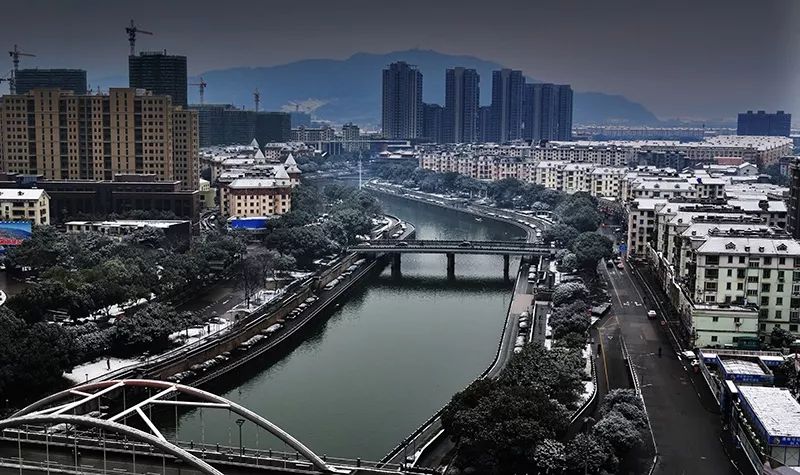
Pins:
x,y
452,247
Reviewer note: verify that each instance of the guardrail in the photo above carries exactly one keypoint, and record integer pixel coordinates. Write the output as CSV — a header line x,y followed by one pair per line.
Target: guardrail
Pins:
x,y
638,389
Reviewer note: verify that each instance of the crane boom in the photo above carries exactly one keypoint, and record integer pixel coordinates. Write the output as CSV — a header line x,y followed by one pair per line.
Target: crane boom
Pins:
x,y
15,55
132,30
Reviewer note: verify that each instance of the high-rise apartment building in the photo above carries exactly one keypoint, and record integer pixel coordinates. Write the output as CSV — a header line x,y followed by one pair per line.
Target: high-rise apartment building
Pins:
x,y
402,101
224,124
160,73
761,123
462,101
793,205
484,123
67,79
506,105
63,136
547,112
432,122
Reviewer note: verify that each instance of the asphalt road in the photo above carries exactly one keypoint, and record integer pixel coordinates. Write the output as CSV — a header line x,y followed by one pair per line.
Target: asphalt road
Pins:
x,y
686,428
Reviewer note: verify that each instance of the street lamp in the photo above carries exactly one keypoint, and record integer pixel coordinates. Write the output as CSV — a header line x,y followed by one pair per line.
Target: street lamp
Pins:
x,y
239,422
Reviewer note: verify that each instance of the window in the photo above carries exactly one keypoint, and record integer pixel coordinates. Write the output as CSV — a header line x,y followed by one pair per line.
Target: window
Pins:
x,y
712,260
736,319
752,279
767,261
730,259
765,287
730,272
763,327
727,286
712,273
752,293
778,314
793,328
713,337
739,286
764,301
779,288
766,273
782,261
779,301
741,259
714,319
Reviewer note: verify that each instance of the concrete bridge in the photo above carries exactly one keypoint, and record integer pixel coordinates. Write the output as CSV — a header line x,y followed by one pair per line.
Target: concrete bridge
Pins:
x,y
109,427
506,249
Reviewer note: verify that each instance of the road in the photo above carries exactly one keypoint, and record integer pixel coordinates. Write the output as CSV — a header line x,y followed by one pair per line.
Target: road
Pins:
x,y
686,429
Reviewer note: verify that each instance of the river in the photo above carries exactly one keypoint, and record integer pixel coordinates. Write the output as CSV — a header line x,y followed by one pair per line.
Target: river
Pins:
x,y
387,359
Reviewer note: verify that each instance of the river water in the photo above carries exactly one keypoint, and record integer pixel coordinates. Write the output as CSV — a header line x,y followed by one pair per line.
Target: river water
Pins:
x,y
387,359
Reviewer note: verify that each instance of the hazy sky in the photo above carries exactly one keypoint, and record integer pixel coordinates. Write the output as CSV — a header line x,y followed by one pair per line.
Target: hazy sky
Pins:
x,y
680,58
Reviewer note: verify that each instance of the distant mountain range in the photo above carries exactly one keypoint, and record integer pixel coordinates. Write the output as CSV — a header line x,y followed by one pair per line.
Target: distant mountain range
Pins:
x,y
350,89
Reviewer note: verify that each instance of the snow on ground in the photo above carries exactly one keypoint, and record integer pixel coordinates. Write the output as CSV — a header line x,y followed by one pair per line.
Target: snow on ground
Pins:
x,y
97,368
198,332
588,389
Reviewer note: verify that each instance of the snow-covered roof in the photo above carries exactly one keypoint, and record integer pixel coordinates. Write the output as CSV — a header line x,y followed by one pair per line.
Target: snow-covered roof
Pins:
x,y
775,408
750,245
20,194
254,143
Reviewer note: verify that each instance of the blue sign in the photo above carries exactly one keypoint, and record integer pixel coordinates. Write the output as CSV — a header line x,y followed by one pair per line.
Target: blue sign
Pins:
x,y
623,248
785,441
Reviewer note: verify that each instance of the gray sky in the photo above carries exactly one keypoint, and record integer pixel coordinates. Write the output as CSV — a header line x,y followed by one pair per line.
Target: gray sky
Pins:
x,y
680,58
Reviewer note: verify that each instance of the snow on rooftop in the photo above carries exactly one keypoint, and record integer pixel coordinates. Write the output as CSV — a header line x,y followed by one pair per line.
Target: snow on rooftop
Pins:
x,y
20,194
747,245
775,408
736,366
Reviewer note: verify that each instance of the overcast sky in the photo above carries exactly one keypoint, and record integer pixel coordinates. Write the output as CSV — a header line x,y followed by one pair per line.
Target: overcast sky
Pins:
x,y
680,58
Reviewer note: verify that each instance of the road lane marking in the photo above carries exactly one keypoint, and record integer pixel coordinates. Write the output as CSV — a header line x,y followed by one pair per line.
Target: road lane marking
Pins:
x,y
603,351
614,288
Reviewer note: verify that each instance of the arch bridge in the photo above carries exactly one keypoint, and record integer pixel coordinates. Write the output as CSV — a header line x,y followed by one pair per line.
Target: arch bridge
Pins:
x,y
108,427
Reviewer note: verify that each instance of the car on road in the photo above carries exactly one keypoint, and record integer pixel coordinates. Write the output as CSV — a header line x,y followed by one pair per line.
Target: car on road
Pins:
x,y
620,265
610,263
651,314
402,244
465,244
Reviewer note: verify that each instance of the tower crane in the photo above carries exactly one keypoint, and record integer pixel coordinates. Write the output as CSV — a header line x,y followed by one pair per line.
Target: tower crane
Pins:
x,y
132,30
202,87
15,55
257,98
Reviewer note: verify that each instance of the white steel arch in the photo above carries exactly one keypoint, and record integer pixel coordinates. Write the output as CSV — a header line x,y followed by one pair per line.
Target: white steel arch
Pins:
x,y
113,427
91,391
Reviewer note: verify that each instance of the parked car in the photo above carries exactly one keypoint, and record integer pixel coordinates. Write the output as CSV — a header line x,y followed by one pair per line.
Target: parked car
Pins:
x,y
620,265
651,314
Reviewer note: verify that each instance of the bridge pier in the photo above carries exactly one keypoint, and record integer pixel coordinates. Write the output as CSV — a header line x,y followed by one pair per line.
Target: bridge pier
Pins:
x,y
506,262
451,265
396,264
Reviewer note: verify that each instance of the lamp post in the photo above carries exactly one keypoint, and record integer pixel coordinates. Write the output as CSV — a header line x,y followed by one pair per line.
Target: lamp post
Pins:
x,y
239,422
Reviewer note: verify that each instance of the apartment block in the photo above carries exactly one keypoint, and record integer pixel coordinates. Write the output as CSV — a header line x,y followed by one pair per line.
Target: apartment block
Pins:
x,y
25,205
62,136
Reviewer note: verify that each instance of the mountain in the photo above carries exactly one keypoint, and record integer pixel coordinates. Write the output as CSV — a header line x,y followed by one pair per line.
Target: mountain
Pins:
x,y
350,89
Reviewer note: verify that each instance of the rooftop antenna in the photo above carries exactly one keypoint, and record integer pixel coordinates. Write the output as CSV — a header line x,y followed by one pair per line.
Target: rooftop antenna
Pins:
x,y
202,86
257,98
132,30
15,54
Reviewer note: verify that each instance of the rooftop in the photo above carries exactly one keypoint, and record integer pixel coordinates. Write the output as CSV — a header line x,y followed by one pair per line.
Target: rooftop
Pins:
x,y
775,408
747,245
20,194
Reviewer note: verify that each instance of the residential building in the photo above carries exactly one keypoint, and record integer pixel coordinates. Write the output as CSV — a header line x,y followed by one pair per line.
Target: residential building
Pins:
x,y
252,197
18,204
179,232
462,100
67,79
761,123
794,200
224,124
322,134
160,73
62,136
432,123
547,112
402,101
506,112
272,127
484,123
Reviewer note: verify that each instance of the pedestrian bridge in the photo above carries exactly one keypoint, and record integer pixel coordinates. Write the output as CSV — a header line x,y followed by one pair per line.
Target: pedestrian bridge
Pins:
x,y
125,427
419,246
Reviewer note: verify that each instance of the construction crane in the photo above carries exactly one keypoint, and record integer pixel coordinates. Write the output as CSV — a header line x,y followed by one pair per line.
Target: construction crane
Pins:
x,y
15,54
257,98
132,30
202,86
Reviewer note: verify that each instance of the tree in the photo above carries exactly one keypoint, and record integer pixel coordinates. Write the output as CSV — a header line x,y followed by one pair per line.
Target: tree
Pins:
x,y
569,262
353,222
621,433
590,247
781,338
562,234
253,270
586,453
568,292
34,357
148,329
549,456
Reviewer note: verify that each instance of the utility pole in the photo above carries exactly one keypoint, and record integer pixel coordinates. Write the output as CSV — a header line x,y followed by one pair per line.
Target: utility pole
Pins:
x,y
359,173
257,98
